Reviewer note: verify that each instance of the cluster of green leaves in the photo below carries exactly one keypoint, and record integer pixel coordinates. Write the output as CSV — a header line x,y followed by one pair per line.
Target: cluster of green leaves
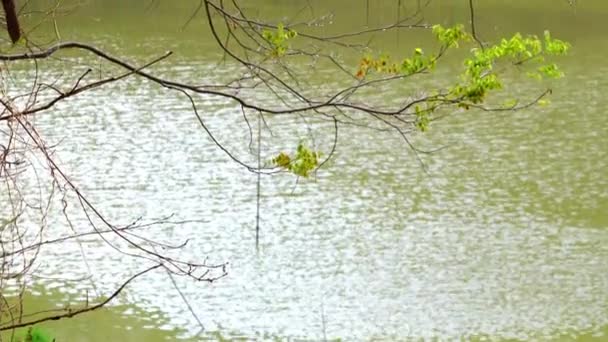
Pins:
x,y
278,39
423,118
301,164
35,334
480,78
448,37
452,36
408,66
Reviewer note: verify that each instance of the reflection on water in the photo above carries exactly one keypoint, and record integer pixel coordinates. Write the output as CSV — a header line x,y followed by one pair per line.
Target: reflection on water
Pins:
x,y
504,237
125,323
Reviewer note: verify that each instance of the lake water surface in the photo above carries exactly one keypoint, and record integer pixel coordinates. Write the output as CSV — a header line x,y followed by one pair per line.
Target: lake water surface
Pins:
x,y
505,237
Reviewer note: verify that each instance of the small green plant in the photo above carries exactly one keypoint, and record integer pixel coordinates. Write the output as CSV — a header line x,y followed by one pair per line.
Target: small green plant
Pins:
x,y
35,334
301,164
278,39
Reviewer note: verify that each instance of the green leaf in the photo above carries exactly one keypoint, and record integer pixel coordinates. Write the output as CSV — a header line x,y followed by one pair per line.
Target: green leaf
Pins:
x,y
278,39
304,161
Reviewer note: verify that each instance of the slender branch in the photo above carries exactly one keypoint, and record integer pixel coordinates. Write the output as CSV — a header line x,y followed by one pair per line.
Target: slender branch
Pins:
x,y
473,30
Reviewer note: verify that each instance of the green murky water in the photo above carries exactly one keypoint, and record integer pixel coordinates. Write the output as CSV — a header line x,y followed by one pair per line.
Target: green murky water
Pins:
x,y
505,238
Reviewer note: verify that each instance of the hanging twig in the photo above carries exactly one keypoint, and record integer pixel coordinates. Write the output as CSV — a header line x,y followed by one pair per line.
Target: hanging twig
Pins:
x,y
473,31
259,181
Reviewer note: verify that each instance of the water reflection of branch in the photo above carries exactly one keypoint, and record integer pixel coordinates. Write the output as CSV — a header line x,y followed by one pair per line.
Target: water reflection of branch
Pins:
x,y
72,313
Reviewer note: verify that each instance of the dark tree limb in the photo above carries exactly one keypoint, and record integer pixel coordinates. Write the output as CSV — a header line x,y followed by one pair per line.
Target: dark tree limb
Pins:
x,y
12,22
